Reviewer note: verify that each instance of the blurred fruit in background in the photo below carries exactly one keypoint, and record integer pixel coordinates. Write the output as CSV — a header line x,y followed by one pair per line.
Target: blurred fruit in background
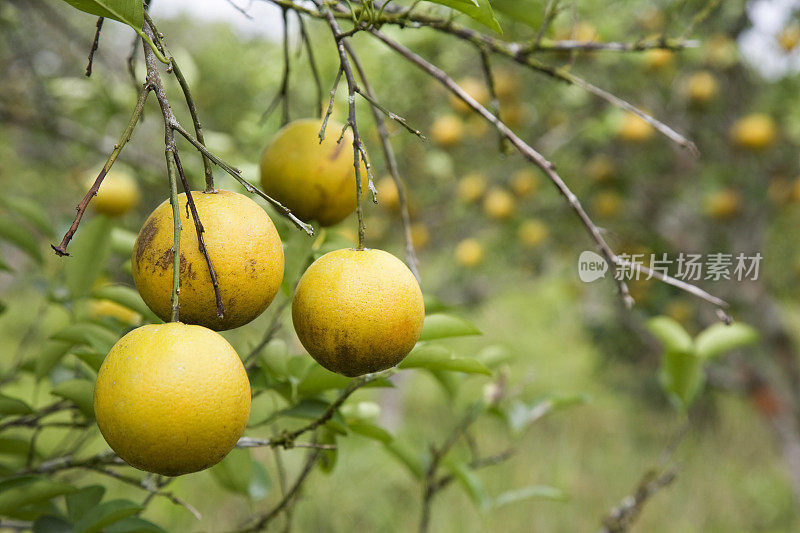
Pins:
x,y
701,87
469,253
447,130
533,232
471,187
118,194
498,204
789,37
524,182
723,204
474,87
634,129
756,131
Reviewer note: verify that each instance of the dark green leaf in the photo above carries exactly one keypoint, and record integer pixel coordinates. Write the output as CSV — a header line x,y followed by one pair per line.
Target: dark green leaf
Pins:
x,y
527,12
88,256
444,326
720,338
89,334
328,458
18,446
482,12
80,502
235,471
51,354
670,334
319,380
29,490
260,483
31,211
529,493
13,406
21,237
78,391
51,524
372,431
91,357
440,358
134,524
131,12
105,514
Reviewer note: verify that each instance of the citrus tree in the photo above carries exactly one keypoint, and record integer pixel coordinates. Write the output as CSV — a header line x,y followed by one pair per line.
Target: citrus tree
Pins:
x,y
138,386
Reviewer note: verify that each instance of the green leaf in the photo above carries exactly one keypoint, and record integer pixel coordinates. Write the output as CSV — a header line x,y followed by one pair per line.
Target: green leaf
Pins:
x,y
440,358
296,252
319,380
520,415
131,12
529,493
127,297
51,524
670,334
78,391
275,358
260,484
101,516
407,457
443,326
122,242
235,471
19,492
471,484
80,502
22,238
478,10
13,406
88,333
328,458
18,446
493,356
92,358
719,338
372,431
528,12
89,254
50,355
682,377
31,211
134,524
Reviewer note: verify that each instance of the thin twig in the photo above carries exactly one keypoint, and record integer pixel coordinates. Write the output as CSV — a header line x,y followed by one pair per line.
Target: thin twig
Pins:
x,y
391,165
61,249
199,229
312,63
95,44
282,97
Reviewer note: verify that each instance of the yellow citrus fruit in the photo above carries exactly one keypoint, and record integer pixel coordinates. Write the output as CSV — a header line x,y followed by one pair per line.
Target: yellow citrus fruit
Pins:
x,y
172,398
420,235
524,182
473,87
701,87
471,187
498,204
358,311
315,180
388,196
447,130
244,247
789,37
514,115
721,51
723,204
118,193
607,204
634,129
107,308
600,168
469,253
756,131
658,58
533,232
506,85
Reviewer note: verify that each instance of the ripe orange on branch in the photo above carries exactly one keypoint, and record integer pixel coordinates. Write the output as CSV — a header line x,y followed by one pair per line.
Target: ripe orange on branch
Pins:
x,y
317,181
244,247
172,398
358,311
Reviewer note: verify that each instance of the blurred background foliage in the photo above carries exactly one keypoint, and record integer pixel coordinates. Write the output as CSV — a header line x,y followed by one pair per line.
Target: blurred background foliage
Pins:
x,y
497,244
